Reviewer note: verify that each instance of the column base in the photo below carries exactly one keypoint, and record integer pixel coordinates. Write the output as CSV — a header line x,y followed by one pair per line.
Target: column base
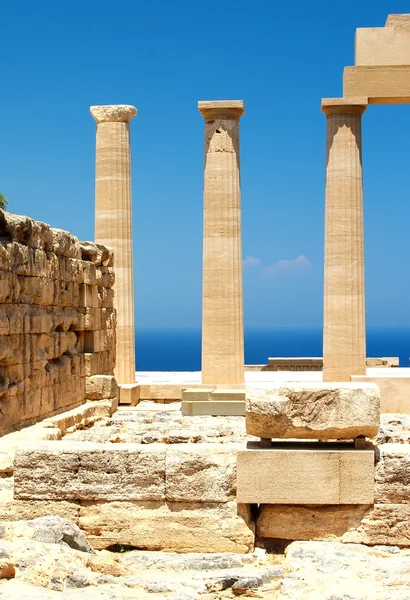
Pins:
x,y
129,393
214,401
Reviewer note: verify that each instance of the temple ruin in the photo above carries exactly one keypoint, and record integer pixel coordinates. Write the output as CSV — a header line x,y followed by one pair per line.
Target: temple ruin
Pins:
x,y
237,463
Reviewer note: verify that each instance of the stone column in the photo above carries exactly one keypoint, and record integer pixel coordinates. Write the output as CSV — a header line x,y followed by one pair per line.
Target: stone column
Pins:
x,y
113,227
222,305
344,330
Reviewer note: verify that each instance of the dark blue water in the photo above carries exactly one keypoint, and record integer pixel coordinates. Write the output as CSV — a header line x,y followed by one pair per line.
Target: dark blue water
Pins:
x,y
180,350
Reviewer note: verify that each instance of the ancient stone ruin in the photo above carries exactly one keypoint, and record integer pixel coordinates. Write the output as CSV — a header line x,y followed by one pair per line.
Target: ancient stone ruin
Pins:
x,y
281,481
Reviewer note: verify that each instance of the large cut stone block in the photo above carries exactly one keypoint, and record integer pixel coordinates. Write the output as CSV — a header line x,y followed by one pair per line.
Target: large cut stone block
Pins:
x,y
129,393
313,410
305,476
392,474
381,85
211,400
100,387
382,46
201,473
288,522
387,524
169,526
88,471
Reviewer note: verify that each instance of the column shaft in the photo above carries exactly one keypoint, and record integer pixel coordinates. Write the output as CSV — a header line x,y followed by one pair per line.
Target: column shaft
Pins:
x,y
222,303
113,227
344,331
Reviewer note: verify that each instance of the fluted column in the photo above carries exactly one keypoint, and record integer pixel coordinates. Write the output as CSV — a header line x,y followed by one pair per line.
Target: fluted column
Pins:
x,y
344,330
222,304
113,222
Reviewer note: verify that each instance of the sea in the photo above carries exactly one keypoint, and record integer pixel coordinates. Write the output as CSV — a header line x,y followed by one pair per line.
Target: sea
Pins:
x,y
180,350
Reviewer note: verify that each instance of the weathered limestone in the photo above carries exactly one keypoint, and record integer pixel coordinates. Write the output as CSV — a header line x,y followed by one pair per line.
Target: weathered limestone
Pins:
x,y
169,526
291,522
313,411
203,473
384,46
381,85
344,339
56,299
213,401
392,474
113,225
222,308
387,524
305,476
86,471
394,391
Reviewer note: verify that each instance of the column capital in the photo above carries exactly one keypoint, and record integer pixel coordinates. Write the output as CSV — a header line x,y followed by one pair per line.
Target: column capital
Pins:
x,y
113,113
344,106
221,109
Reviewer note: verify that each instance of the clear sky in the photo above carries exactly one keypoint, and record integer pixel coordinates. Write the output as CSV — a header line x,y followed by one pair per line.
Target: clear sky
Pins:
x,y
58,58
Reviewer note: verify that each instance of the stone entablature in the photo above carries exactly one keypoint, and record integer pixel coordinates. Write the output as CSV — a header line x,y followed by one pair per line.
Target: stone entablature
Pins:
x,y
57,321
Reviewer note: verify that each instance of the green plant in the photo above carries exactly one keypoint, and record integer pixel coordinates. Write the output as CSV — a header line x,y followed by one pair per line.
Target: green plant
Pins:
x,y
3,201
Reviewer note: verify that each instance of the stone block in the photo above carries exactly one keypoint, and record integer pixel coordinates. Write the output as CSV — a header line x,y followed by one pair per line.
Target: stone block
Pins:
x,y
129,393
214,408
161,391
201,473
394,392
100,387
384,524
169,526
382,46
21,510
212,400
290,522
392,474
197,394
305,476
87,471
313,410
381,85
99,362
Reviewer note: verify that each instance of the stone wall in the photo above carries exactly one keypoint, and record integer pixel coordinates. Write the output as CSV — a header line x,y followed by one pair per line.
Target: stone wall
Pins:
x,y
57,322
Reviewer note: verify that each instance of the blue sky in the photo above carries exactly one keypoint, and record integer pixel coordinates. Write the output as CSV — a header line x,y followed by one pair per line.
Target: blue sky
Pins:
x,y
58,58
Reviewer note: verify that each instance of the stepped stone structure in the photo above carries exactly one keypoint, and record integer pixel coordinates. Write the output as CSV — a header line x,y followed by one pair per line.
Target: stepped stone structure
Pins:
x,y
57,321
113,227
222,303
381,75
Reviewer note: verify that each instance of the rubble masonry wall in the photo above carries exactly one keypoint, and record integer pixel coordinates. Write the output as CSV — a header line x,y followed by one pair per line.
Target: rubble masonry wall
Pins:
x,y
57,321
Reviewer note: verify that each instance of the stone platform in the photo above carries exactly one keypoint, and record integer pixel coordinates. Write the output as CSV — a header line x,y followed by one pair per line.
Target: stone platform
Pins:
x,y
167,386
187,480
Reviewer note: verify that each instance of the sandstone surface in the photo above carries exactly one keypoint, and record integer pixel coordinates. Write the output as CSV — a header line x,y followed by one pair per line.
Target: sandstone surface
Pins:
x,y
205,473
86,471
170,526
56,307
313,411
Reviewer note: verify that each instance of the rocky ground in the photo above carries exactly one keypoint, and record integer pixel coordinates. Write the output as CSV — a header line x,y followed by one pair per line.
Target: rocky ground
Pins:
x,y
49,558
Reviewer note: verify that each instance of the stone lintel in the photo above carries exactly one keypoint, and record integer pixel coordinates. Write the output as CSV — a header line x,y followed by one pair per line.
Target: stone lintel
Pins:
x,y
305,476
386,84
129,393
221,109
334,106
401,20
114,113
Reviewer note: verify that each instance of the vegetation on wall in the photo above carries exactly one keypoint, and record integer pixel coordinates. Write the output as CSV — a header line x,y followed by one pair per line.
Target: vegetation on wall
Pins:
x,y
3,202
